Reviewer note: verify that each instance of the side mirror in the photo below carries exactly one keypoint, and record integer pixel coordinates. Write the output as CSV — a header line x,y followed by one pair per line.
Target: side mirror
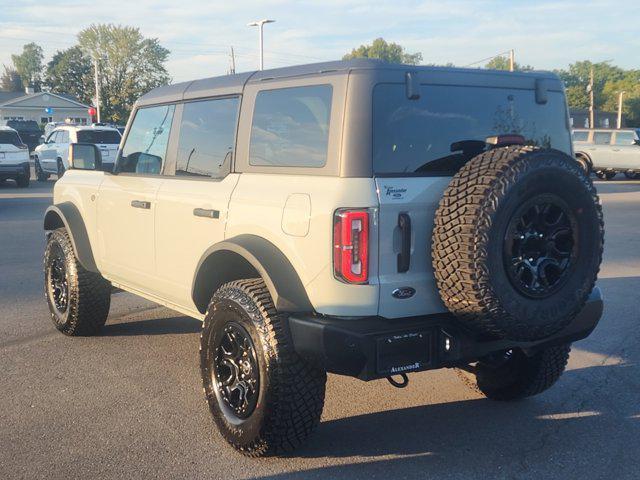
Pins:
x,y
636,141
84,156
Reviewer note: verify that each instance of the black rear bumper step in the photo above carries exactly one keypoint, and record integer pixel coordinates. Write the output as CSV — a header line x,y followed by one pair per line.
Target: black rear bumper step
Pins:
x,y
374,347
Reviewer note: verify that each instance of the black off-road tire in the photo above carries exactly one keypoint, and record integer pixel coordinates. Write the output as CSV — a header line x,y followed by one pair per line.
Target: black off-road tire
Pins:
x,y
470,235
22,181
88,294
518,376
41,176
291,391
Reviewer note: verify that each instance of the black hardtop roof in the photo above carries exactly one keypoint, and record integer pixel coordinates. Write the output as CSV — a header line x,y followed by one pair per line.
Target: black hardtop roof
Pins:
x,y
234,84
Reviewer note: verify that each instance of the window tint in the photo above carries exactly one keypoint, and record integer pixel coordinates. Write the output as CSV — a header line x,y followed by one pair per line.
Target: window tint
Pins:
x,y
602,138
108,137
207,137
448,125
291,127
7,137
580,136
146,145
624,138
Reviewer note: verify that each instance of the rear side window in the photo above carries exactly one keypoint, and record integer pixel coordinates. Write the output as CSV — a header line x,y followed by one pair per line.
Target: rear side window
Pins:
x,y
602,138
580,136
207,137
625,138
146,146
63,136
9,138
104,137
291,127
448,125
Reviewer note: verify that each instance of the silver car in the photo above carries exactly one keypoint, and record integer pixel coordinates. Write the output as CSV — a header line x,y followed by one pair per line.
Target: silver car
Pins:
x,y
608,152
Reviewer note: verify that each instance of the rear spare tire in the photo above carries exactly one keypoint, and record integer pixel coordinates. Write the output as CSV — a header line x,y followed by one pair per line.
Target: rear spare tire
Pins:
x,y
517,242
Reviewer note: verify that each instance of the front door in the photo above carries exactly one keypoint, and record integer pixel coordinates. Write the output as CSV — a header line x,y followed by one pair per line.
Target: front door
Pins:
x,y
127,202
48,153
192,202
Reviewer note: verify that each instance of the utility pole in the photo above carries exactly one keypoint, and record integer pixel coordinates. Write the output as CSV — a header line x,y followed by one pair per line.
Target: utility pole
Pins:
x,y
591,101
97,83
512,60
260,24
233,62
620,109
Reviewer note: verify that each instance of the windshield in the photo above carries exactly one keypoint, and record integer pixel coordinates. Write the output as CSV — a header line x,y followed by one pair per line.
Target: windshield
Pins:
x,y
448,125
99,136
9,138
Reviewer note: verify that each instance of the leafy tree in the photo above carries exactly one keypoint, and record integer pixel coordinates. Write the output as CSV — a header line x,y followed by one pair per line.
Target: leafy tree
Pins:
x,y
389,52
10,81
130,65
28,64
502,63
70,71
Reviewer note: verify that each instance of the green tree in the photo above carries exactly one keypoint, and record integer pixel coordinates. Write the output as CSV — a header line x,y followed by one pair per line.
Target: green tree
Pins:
x,y
130,65
389,52
10,80
28,64
70,71
502,63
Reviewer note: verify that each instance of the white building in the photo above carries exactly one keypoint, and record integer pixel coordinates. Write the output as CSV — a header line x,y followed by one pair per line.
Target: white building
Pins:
x,y
43,107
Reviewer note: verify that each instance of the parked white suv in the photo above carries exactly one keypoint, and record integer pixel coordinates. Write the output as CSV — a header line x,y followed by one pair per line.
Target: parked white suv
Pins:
x,y
51,156
608,152
14,157
357,218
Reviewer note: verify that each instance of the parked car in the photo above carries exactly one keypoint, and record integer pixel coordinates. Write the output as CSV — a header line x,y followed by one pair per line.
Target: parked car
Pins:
x,y
29,131
14,157
608,152
357,217
51,157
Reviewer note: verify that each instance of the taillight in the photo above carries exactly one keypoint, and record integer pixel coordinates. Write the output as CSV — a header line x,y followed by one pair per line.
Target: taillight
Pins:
x,y
351,245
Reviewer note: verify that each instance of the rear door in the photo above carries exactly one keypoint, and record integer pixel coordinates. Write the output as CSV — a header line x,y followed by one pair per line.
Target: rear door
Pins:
x,y
48,154
418,145
601,151
192,202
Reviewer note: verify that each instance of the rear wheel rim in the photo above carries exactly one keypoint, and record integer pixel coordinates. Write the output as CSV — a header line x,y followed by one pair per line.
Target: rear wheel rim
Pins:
x,y
235,372
57,281
540,246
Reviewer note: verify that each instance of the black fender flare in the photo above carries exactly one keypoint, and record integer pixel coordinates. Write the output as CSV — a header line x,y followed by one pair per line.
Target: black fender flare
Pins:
x,y
67,215
245,256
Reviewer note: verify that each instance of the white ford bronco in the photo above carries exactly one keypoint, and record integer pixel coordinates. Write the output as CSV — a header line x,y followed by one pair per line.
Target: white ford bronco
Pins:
x,y
357,218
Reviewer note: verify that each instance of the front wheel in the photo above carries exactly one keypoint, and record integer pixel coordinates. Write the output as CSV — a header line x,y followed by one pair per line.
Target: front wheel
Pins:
x,y
264,398
22,181
41,175
512,375
602,175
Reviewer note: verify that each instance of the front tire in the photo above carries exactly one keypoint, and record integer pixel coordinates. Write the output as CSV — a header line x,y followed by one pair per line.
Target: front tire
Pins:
x,y
78,299
264,398
41,176
513,375
605,175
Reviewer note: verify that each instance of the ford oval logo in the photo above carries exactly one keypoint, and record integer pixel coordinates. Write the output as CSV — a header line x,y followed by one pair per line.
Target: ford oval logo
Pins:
x,y
404,292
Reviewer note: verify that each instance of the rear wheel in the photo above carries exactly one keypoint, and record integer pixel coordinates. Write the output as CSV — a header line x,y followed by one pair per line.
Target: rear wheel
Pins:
x,y
517,242
264,398
584,163
41,176
61,168
22,181
512,375
632,175
78,299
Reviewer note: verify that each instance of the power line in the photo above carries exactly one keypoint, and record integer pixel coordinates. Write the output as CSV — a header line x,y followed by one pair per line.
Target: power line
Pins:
x,y
489,58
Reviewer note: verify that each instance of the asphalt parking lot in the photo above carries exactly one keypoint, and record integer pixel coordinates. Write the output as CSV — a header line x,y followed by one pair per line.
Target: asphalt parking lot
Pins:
x,y
127,404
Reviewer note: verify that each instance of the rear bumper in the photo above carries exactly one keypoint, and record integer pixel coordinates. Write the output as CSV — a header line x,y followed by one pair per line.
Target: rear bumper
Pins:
x,y
15,169
375,347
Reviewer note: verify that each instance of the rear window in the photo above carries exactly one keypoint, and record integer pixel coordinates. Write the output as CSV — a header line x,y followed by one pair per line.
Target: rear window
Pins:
x,y
9,138
291,127
448,125
580,136
99,136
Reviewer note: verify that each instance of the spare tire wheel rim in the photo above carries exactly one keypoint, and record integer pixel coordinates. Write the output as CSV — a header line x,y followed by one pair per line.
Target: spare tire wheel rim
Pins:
x,y
236,374
540,246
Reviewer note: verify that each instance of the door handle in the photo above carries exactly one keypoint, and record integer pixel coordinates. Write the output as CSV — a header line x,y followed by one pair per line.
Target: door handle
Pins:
x,y
207,213
404,257
616,149
141,204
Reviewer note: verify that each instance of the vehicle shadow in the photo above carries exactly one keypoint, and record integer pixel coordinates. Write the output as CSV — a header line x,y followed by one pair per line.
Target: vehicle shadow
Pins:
x,y
155,326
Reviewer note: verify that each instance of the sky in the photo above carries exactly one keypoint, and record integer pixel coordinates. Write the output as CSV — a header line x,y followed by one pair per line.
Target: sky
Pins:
x,y
199,33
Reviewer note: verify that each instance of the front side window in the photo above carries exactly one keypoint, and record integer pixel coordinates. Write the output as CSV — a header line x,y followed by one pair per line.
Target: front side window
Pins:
x,y
207,137
448,125
291,127
580,136
625,138
146,146
602,138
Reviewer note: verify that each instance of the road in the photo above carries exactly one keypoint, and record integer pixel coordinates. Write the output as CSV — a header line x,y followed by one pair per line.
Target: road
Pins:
x,y
127,403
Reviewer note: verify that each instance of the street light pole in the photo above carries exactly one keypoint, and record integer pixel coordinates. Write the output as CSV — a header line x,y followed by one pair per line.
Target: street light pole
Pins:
x,y
260,24
620,109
